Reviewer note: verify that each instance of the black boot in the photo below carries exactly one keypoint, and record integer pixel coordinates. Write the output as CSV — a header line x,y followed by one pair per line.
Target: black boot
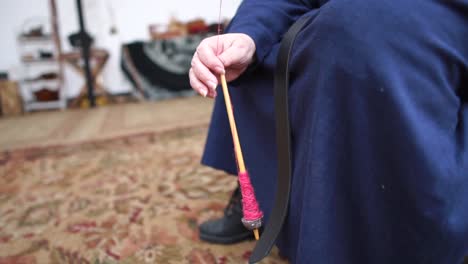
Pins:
x,y
229,228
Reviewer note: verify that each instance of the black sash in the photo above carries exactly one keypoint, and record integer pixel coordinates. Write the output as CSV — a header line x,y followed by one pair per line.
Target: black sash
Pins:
x,y
283,142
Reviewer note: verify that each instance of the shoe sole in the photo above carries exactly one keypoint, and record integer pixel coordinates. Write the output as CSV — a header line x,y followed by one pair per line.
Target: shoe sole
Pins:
x,y
226,240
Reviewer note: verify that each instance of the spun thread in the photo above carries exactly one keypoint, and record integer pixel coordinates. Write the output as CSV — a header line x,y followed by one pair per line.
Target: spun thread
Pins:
x,y
250,206
219,27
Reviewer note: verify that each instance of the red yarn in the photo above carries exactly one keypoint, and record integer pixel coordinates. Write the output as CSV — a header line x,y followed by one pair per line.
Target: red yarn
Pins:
x,y
249,203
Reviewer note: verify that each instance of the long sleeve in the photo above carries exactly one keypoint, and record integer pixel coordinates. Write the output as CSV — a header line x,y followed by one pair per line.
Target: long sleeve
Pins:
x,y
265,21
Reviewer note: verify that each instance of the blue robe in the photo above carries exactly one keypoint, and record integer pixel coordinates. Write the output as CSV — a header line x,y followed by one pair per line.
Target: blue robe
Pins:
x,y
379,116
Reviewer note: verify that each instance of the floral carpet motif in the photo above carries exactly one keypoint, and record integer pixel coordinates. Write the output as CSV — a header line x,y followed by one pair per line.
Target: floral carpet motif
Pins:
x,y
134,199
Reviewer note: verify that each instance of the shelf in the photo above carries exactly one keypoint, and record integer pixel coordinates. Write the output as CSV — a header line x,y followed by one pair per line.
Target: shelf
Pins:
x,y
42,82
39,60
44,38
45,105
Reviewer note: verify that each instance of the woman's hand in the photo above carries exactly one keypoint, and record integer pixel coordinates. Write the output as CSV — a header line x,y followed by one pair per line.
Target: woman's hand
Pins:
x,y
235,54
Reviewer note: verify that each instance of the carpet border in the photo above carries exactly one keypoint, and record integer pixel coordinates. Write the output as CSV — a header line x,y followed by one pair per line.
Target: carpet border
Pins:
x,y
34,152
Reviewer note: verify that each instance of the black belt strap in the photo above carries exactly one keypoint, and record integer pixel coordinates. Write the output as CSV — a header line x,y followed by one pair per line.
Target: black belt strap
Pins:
x,y
283,142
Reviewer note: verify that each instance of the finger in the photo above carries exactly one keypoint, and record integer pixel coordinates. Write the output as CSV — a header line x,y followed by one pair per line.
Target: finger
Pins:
x,y
212,94
234,56
203,74
197,85
206,54
232,74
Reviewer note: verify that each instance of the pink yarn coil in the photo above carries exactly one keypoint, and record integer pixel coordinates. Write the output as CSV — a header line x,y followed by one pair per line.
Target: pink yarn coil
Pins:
x,y
250,206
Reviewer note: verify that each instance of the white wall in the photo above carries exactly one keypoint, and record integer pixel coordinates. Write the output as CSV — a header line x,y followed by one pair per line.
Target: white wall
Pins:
x,y
131,17
13,16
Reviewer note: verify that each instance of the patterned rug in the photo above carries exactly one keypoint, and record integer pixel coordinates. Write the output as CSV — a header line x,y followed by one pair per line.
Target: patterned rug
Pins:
x,y
134,199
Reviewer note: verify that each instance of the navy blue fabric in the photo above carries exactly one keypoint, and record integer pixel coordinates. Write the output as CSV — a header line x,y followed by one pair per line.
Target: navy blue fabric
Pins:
x,y
379,116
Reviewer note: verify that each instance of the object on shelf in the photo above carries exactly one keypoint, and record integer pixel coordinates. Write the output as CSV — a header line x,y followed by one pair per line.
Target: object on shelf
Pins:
x,y
10,99
35,29
176,29
213,28
46,95
45,54
41,56
47,76
28,57
3,76
156,33
197,26
34,32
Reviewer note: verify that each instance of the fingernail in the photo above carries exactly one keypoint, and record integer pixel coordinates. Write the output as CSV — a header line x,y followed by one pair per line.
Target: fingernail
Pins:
x,y
213,85
220,70
212,94
204,92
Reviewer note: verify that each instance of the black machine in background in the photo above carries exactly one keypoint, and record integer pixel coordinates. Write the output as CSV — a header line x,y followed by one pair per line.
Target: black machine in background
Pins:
x,y
85,41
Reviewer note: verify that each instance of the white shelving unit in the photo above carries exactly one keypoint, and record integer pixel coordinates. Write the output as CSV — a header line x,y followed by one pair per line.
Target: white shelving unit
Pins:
x,y
40,56
34,66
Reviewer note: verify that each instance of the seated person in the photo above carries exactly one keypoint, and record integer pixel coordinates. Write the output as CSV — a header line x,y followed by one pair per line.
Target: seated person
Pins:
x,y
378,103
